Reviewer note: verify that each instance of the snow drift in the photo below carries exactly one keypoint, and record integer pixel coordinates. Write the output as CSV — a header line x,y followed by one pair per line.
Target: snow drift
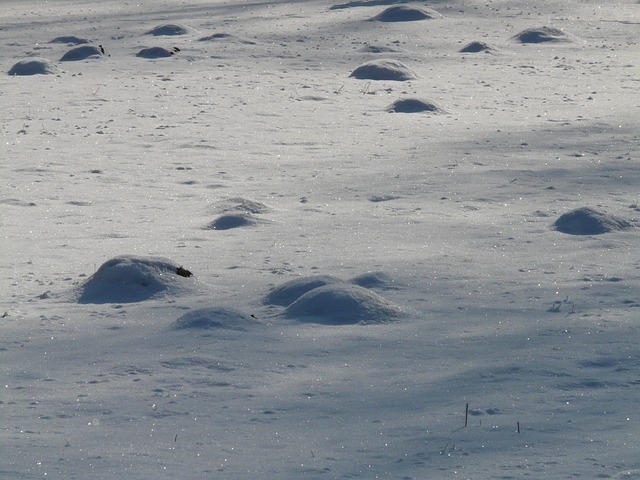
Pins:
x,y
131,278
541,35
413,105
81,53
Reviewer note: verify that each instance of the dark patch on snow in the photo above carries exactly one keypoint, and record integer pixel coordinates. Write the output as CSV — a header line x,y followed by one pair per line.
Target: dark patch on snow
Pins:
x,y
343,304
477,47
183,272
383,198
405,13
130,278
169,29
71,40
588,221
541,35
214,318
290,291
81,53
33,66
384,70
413,105
157,52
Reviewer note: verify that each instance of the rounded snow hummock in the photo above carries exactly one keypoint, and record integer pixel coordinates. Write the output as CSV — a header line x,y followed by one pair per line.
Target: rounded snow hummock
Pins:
x,y
169,29
33,66
232,220
287,293
542,35
384,70
405,13
131,278
215,318
343,304
477,47
157,52
377,279
588,221
413,105
81,53
70,39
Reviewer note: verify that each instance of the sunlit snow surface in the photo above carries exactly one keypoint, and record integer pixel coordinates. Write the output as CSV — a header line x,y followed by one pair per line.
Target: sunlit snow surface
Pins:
x,y
363,282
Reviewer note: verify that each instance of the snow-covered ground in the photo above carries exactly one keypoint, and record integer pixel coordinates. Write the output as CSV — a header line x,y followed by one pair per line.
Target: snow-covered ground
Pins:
x,y
388,239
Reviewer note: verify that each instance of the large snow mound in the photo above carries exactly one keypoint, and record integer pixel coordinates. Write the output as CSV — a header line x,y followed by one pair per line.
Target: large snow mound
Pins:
x,y
343,304
542,35
290,291
213,318
589,221
384,70
33,66
157,52
81,53
405,13
131,278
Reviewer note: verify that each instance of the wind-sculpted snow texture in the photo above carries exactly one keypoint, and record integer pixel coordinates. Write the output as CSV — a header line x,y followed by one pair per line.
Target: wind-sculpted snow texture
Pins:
x,y
319,240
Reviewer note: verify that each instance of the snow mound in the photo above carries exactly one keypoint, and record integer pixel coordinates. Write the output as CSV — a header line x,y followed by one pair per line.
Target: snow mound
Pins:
x,y
226,37
384,70
70,39
413,105
233,220
157,52
588,221
404,13
379,280
343,304
290,291
169,29
541,35
240,205
477,47
33,66
131,278
214,318
81,53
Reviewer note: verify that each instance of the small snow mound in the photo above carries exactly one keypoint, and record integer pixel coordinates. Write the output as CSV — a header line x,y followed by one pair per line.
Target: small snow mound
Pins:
x,y
241,205
343,304
81,53
33,66
226,37
588,221
477,47
157,52
541,35
214,318
377,49
404,13
232,220
413,105
379,280
384,70
131,278
287,293
169,29
70,40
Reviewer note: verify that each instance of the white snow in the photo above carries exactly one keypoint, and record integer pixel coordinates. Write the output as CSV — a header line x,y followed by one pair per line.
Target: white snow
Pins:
x,y
359,277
